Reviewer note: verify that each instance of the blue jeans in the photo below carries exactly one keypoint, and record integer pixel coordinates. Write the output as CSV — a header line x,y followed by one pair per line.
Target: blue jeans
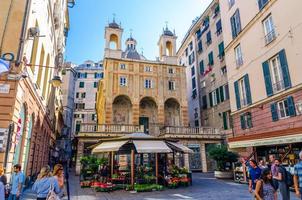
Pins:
x,y
13,197
301,193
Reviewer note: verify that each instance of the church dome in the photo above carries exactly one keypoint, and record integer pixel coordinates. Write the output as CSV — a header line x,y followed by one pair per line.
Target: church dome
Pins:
x,y
167,32
114,25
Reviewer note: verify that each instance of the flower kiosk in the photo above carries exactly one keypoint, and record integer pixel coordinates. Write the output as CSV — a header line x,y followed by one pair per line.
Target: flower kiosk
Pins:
x,y
142,162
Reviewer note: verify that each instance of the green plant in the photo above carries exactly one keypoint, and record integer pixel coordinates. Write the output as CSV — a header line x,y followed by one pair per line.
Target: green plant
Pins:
x,y
222,156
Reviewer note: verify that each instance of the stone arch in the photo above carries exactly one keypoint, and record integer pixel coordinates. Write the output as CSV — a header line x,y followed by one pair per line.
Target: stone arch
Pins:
x,y
169,48
122,110
113,41
172,112
148,108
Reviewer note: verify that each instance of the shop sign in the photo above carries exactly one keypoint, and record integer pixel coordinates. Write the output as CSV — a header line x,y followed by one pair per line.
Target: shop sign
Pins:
x,y
4,88
123,160
268,141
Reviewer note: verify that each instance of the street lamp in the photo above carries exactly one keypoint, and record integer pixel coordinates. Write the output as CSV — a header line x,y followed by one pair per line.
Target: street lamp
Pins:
x,y
56,81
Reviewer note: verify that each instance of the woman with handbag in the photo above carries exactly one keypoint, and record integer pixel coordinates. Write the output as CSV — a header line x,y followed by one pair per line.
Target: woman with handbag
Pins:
x,y
264,187
46,185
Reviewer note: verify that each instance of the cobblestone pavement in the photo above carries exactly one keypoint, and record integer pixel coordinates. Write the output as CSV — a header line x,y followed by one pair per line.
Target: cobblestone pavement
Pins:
x,y
205,187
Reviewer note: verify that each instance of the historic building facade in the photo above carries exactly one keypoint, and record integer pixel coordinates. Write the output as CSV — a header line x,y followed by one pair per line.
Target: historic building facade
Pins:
x,y
263,52
202,52
85,92
33,38
140,95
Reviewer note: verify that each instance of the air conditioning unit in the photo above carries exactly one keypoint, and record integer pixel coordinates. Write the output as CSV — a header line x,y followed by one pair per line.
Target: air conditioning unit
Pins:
x,y
299,108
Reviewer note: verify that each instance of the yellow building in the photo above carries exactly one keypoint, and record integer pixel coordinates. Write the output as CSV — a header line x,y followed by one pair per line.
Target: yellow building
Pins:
x,y
140,95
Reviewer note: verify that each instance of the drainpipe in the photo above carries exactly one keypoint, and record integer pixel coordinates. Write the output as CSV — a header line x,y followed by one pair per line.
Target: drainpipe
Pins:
x,y
23,32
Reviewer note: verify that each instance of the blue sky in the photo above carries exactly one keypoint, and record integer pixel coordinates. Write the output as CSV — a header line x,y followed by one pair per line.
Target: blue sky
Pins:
x,y
145,17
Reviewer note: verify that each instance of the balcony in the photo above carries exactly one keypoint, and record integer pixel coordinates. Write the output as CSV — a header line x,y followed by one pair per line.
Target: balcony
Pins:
x,y
239,62
278,86
158,130
270,37
243,101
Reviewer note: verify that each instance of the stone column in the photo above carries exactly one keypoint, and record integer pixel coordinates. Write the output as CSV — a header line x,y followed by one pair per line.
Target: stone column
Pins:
x,y
135,113
203,157
80,151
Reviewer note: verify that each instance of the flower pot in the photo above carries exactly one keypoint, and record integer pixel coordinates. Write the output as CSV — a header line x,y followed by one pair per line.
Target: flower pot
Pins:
x,y
224,174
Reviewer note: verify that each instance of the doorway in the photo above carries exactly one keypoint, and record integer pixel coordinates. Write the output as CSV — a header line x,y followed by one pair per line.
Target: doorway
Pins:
x,y
145,122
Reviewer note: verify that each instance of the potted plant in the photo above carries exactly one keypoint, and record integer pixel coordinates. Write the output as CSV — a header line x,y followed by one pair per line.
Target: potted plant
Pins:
x,y
224,160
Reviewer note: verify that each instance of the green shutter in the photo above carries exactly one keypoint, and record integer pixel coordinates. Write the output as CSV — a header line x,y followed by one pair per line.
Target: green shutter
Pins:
x,y
78,128
237,95
221,49
211,100
285,71
85,74
210,57
274,112
221,93
79,74
95,74
204,102
217,96
242,122
267,78
201,66
247,89
233,25
291,106
225,122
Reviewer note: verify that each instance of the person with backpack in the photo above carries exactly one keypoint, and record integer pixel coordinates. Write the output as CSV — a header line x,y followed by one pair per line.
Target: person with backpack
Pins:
x,y
46,186
282,180
298,177
264,187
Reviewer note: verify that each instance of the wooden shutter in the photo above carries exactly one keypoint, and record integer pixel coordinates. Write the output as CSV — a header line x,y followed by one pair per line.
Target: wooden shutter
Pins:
x,y
267,78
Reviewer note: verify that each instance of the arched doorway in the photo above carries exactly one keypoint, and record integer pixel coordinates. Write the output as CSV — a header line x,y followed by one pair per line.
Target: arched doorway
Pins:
x,y
147,113
172,113
122,110
18,141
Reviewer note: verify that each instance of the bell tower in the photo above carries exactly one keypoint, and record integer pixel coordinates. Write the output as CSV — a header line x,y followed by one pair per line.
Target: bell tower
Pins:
x,y
167,47
113,38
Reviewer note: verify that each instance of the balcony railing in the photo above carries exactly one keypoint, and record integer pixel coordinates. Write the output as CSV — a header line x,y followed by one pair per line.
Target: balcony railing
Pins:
x,y
239,62
110,128
278,86
190,130
270,37
243,101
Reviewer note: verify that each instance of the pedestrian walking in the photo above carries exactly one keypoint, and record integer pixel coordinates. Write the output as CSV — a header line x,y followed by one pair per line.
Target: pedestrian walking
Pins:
x,y
254,175
58,174
274,170
298,177
281,177
262,165
46,185
3,180
17,183
2,191
264,187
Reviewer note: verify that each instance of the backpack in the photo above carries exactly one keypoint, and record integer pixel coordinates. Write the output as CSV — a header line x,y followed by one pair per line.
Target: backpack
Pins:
x,y
51,194
289,179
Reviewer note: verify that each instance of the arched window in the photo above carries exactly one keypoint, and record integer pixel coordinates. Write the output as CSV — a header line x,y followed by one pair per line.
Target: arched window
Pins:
x,y
113,41
168,48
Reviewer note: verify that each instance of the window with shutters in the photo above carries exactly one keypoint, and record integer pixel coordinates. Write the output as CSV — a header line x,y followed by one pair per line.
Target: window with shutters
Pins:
x,y
95,84
246,120
199,46
191,58
242,91
191,46
223,70
194,93
193,83
269,30
283,109
211,58
78,126
218,28
82,75
171,85
148,69
262,4
171,71
123,81
276,72
221,51
81,85
226,120
214,98
235,24
192,71
238,56
201,67
209,38
148,83
204,102
83,95
77,95
98,75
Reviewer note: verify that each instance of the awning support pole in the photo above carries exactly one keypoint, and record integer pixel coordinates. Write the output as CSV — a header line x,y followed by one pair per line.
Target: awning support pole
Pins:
x,y
132,168
112,162
156,167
